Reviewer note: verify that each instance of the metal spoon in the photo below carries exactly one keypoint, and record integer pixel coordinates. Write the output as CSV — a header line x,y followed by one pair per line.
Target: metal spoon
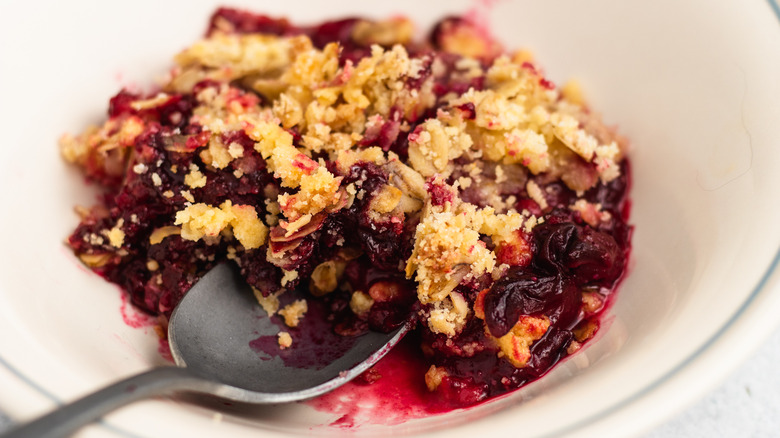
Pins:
x,y
210,333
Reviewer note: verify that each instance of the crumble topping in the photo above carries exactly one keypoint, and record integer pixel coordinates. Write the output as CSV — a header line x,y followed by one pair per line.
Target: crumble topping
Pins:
x,y
200,221
432,146
292,313
225,57
442,182
269,303
285,340
195,179
288,277
572,92
447,248
590,213
116,236
449,316
592,302
434,377
186,194
516,345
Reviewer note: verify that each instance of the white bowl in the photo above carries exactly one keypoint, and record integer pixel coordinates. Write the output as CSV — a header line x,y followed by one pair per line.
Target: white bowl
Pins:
x,y
692,83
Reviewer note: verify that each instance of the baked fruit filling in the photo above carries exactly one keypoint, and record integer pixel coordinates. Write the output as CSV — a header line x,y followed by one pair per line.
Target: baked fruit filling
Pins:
x,y
443,182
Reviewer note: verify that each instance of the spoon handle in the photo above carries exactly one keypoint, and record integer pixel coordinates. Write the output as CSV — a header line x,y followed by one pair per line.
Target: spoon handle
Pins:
x,y
66,420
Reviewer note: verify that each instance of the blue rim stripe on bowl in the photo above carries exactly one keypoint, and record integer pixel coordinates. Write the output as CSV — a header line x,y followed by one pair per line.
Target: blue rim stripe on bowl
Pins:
x,y
773,4
43,391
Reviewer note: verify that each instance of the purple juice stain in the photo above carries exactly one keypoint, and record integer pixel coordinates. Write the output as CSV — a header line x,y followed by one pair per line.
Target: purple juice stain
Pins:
x,y
315,344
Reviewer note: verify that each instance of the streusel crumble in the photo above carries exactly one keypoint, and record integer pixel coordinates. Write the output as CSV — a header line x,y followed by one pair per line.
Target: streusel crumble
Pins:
x,y
444,182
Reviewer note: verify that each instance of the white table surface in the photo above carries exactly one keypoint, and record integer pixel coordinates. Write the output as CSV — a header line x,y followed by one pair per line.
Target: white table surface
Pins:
x,y
747,404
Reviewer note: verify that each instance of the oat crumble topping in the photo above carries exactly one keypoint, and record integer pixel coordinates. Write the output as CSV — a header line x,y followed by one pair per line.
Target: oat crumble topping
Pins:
x,y
445,181
292,313
285,340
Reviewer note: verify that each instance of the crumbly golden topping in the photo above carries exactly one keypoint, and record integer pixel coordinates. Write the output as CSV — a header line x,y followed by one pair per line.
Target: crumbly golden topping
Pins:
x,y
195,179
201,220
447,248
293,312
449,315
284,339
116,236
270,303
312,117
516,345
433,146
204,221
434,376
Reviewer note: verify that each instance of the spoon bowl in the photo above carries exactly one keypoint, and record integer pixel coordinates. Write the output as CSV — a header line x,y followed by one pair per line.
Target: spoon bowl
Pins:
x,y
222,344
226,345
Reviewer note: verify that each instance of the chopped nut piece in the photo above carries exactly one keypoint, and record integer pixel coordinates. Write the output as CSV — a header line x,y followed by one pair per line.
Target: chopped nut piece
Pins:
x,y
325,277
384,290
159,234
386,199
574,347
360,303
536,193
96,260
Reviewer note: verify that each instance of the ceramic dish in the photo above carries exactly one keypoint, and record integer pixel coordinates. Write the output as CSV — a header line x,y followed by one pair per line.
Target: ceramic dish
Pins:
x,y
691,83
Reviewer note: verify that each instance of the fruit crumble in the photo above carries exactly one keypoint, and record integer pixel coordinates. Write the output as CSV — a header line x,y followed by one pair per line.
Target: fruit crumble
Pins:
x,y
443,182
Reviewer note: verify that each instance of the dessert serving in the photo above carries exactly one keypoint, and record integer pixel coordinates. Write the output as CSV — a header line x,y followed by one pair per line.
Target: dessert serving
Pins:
x,y
444,183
